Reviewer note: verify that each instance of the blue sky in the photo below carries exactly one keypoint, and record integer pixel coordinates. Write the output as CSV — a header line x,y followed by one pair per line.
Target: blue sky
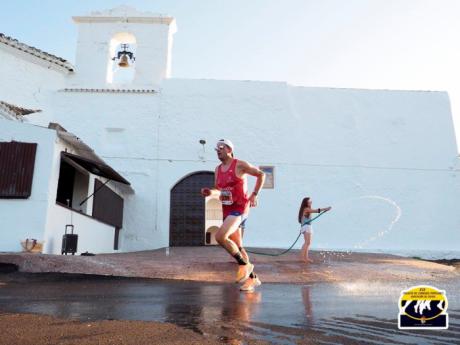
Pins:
x,y
377,44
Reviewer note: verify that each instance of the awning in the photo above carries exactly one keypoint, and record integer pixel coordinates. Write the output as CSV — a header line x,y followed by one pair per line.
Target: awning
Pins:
x,y
96,168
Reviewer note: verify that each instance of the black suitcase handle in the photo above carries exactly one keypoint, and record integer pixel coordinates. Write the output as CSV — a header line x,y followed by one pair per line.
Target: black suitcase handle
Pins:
x,y
69,226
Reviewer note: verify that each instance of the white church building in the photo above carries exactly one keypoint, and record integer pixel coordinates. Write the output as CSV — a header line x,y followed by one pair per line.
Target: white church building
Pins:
x,y
143,146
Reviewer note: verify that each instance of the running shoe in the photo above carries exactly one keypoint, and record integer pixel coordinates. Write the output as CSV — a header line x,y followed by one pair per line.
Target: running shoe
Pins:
x,y
251,284
244,272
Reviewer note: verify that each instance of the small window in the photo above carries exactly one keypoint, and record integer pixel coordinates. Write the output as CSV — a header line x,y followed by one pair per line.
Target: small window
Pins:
x,y
17,162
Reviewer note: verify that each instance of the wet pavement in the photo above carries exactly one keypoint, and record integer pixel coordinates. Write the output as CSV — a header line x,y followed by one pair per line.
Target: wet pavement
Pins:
x,y
328,313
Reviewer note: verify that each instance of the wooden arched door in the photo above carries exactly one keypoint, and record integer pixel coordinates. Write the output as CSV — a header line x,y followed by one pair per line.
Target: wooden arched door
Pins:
x,y
187,210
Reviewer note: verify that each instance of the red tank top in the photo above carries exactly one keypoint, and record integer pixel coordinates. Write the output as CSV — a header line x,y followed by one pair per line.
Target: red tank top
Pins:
x,y
235,187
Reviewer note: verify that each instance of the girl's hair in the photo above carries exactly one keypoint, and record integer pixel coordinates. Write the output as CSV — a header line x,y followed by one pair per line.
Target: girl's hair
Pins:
x,y
302,206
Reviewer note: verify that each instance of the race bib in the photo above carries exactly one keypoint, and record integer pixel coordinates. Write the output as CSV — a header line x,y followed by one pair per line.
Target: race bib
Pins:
x,y
226,197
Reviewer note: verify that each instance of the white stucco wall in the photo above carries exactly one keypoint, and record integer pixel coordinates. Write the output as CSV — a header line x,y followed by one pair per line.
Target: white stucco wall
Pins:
x,y
27,81
373,155
93,236
122,129
39,216
26,218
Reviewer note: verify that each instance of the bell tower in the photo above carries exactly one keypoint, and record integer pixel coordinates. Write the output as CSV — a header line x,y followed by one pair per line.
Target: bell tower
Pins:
x,y
123,48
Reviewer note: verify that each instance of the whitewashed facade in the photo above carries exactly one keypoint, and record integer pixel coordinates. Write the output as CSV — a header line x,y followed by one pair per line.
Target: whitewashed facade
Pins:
x,y
40,216
386,161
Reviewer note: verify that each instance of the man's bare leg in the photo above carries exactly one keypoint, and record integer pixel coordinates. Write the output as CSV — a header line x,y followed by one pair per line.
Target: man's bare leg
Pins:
x,y
229,226
237,237
253,280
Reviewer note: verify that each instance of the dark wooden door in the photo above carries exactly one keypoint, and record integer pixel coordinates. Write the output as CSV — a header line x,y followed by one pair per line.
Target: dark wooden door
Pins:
x,y
187,214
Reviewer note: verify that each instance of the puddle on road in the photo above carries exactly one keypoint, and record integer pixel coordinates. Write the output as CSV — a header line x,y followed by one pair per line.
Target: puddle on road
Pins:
x,y
277,313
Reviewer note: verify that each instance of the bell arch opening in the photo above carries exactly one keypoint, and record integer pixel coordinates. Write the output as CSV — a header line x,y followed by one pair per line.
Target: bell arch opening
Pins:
x,y
121,65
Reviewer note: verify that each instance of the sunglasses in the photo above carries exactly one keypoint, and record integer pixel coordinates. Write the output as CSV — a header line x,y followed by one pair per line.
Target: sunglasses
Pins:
x,y
219,147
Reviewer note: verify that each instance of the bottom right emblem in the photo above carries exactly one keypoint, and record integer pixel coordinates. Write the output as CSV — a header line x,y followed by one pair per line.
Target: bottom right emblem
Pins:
x,y
423,307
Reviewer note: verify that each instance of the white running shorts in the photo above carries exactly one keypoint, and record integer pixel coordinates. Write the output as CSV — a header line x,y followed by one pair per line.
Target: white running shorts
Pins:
x,y
306,229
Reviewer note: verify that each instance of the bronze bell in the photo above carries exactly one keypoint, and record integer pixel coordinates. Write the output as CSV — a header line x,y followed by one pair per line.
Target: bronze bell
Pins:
x,y
123,61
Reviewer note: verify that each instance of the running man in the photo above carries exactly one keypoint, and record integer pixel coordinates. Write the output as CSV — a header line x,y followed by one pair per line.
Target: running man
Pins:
x,y
231,187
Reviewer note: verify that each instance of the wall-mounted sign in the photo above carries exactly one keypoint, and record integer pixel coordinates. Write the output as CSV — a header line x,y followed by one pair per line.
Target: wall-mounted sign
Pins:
x,y
269,176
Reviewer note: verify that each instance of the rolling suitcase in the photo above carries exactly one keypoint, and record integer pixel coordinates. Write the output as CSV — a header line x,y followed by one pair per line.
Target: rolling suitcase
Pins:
x,y
69,241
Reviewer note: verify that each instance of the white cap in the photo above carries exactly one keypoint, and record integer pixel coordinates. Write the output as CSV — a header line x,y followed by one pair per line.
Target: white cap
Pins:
x,y
225,142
